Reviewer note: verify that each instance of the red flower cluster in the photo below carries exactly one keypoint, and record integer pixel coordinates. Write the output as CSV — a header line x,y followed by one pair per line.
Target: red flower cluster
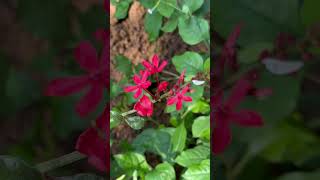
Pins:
x,y
144,106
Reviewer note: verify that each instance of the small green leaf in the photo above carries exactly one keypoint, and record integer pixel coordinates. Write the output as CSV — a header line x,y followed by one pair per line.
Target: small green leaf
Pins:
x,y
166,7
201,127
148,3
179,138
206,66
122,9
135,122
192,4
171,24
200,106
12,168
132,161
193,156
251,53
193,30
191,61
123,64
152,24
115,119
198,172
163,171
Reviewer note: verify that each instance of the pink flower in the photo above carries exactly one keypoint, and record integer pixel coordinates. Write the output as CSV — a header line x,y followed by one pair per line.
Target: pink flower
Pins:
x,y
93,142
224,112
154,67
141,84
179,97
144,106
162,86
95,80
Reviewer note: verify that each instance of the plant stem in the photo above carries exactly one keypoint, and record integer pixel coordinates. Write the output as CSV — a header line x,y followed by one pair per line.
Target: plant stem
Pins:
x,y
128,112
60,161
170,73
239,166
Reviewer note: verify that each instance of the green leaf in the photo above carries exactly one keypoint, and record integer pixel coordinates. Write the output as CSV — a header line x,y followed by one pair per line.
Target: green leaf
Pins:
x,y
192,4
194,156
124,65
262,20
179,138
163,171
193,30
197,94
45,18
251,53
82,176
148,3
198,172
201,127
152,24
135,122
191,61
12,168
166,7
310,12
206,66
132,161
115,119
199,106
171,24
155,141
122,8
315,175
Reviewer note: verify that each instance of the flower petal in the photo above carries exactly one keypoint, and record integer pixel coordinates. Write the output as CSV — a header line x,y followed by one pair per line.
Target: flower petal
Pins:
x,y
238,92
138,93
171,101
155,60
179,104
86,55
221,136
90,101
187,98
130,88
163,64
246,118
145,76
66,86
136,79
147,65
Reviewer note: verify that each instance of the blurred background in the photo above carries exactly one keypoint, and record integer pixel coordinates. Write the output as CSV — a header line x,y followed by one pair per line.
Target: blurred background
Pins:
x,y
37,38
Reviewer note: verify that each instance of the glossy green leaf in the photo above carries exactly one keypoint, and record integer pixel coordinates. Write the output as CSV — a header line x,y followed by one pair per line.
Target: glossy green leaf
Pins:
x,y
152,24
12,168
132,161
191,61
135,122
123,64
200,106
193,30
171,24
201,127
154,141
163,171
206,66
198,172
192,4
166,7
122,8
194,156
115,119
179,138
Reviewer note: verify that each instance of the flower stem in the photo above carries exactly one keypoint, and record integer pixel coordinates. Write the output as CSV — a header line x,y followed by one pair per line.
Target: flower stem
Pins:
x,y
170,73
60,161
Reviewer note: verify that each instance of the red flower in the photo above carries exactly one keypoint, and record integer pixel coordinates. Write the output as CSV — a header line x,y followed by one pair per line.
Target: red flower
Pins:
x,y
154,67
179,97
141,84
95,79
93,142
144,106
162,86
224,113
